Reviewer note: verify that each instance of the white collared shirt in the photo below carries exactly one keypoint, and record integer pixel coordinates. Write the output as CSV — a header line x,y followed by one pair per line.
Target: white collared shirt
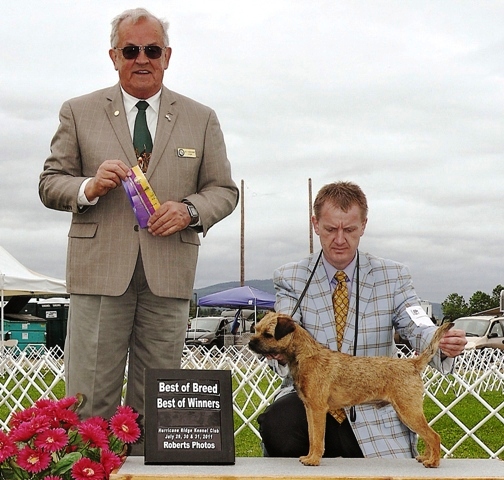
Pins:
x,y
151,113
349,272
131,110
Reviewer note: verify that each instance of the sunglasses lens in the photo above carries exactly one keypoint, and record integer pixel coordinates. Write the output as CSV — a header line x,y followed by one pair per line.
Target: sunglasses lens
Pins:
x,y
153,51
130,52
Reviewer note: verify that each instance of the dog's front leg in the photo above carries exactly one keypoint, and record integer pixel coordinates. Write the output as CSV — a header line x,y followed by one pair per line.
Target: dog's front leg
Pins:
x,y
316,432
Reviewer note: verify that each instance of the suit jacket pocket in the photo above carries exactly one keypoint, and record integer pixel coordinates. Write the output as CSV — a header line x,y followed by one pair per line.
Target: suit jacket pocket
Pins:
x,y
189,235
83,230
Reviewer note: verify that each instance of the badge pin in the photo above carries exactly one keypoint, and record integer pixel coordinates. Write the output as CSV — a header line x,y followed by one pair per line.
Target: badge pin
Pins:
x,y
116,113
186,152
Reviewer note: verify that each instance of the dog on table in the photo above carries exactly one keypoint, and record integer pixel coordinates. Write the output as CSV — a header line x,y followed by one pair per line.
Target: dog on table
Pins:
x,y
327,380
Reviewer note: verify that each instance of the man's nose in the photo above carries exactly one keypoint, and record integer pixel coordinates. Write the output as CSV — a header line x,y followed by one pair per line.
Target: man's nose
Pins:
x,y
142,57
339,236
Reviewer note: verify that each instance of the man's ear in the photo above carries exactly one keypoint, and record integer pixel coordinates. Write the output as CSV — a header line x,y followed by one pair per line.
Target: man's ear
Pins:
x,y
284,326
113,57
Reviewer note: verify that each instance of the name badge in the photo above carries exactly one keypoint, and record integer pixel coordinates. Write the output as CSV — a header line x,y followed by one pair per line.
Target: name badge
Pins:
x,y
186,152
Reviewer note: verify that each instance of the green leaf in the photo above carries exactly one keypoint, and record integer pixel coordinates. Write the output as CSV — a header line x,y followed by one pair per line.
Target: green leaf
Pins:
x,y
66,463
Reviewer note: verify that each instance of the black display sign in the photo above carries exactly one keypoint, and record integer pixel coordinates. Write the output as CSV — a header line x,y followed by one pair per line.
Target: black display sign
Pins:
x,y
189,417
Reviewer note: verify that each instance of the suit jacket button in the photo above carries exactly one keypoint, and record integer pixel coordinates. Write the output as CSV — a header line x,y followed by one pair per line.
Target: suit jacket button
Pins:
x,y
136,228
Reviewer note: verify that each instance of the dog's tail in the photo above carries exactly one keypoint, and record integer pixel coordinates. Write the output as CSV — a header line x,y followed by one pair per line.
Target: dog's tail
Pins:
x,y
426,356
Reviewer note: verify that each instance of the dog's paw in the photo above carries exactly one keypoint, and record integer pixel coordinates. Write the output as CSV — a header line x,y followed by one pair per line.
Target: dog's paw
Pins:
x,y
310,460
428,462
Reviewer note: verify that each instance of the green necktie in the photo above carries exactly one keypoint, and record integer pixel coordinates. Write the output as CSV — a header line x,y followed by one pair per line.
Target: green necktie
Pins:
x,y
142,140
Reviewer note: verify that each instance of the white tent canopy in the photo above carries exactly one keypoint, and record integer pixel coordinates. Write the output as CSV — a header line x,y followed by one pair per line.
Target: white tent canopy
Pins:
x,y
16,279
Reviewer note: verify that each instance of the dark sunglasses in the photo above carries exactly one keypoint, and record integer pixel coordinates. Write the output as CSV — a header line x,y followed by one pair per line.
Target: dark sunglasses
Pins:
x,y
132,51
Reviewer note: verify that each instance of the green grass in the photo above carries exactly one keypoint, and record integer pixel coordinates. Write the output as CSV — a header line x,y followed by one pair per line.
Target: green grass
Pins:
x,y
468,410
20,385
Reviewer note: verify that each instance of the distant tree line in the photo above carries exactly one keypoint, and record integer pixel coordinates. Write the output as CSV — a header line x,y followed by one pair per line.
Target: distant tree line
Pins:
x,y
455,306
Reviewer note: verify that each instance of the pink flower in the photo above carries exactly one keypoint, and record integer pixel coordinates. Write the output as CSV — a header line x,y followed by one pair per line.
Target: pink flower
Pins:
x,y
51,440
28,429
22,416
110,460
126,409
67,418
86,469
33,461
67,402
93,434
7,447
99,422
50,432
124,427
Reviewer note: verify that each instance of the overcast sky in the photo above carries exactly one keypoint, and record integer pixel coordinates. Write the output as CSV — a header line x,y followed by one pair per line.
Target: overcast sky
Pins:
x,y
405,98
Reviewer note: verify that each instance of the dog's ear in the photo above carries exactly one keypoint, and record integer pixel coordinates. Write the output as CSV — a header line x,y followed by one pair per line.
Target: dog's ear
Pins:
x,y
284,326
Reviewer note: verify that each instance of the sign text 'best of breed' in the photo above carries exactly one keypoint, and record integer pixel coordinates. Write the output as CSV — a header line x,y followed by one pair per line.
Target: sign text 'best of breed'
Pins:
x,y
188,417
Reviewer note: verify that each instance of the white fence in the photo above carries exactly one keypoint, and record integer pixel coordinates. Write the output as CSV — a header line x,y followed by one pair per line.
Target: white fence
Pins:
x,y
466,407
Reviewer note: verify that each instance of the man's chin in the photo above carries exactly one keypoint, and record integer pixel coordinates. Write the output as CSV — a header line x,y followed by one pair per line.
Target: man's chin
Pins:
x,y
340,260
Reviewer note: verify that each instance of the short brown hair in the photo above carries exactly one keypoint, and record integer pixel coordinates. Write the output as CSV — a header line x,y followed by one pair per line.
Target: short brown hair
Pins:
x,y
343,195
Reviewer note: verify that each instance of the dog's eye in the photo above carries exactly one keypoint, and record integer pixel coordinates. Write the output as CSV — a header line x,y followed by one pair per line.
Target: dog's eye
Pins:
x,y
267,335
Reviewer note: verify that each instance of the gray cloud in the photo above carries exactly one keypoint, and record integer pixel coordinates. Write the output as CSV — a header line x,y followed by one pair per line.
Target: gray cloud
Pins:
x,y
404,98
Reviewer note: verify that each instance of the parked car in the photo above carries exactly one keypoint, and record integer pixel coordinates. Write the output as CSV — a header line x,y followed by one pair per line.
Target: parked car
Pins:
x,y
208,331
482,331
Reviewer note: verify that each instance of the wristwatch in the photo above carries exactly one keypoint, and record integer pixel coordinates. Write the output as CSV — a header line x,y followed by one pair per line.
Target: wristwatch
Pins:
x,y
193,213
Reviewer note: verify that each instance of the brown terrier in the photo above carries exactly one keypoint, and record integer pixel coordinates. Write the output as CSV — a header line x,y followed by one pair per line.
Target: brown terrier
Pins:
x,y
327,380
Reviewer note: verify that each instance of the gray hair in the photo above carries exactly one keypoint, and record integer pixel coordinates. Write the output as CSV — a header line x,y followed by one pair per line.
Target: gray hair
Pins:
x,y
135,15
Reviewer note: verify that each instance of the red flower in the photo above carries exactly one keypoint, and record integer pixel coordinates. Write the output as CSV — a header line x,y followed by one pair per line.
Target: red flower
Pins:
x,y
33,461
126,409
86,469
66,418
51,440
22,416
124,427
99,422
93,434
7,447
67,402
53,477
110,460
28,429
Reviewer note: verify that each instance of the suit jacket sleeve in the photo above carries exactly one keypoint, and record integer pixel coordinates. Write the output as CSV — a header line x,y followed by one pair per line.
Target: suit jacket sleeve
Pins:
x,y
104,239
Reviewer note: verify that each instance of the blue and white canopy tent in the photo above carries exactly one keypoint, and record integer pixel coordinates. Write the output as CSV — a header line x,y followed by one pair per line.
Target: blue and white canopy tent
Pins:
x,y
239,297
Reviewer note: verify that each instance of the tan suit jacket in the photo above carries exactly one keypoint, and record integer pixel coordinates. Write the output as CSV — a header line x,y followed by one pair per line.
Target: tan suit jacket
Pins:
x,y
104,239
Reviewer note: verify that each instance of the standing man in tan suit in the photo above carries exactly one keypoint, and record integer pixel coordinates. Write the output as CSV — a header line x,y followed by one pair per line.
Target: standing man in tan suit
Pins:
x,y
130,287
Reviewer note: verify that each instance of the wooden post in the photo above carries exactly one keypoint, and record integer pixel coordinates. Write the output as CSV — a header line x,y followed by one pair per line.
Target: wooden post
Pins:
x,y
242,237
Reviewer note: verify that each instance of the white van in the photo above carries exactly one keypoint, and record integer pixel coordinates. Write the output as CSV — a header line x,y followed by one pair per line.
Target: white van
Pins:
x,y
482,331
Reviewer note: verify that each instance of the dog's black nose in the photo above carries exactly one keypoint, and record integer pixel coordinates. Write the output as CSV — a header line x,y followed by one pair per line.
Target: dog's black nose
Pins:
x,y
252,344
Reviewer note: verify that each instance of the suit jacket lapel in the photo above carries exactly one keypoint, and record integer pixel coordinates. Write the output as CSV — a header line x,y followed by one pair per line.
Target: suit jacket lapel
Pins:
x,y
166,121
117,117
319,292
365,286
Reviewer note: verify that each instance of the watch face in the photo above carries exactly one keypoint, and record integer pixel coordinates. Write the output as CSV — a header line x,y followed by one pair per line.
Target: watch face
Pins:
x,y
192,211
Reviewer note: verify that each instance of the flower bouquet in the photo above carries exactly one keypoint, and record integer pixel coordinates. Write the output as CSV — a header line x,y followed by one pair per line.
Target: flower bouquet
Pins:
x,y
49,442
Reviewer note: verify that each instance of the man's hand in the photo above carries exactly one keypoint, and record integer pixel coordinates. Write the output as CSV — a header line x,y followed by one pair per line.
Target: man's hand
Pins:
x,y
453,342
168,219
278,357
108,176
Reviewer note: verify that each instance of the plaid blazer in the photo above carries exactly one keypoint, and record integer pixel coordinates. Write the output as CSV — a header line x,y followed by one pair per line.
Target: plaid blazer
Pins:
x,y
385,291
